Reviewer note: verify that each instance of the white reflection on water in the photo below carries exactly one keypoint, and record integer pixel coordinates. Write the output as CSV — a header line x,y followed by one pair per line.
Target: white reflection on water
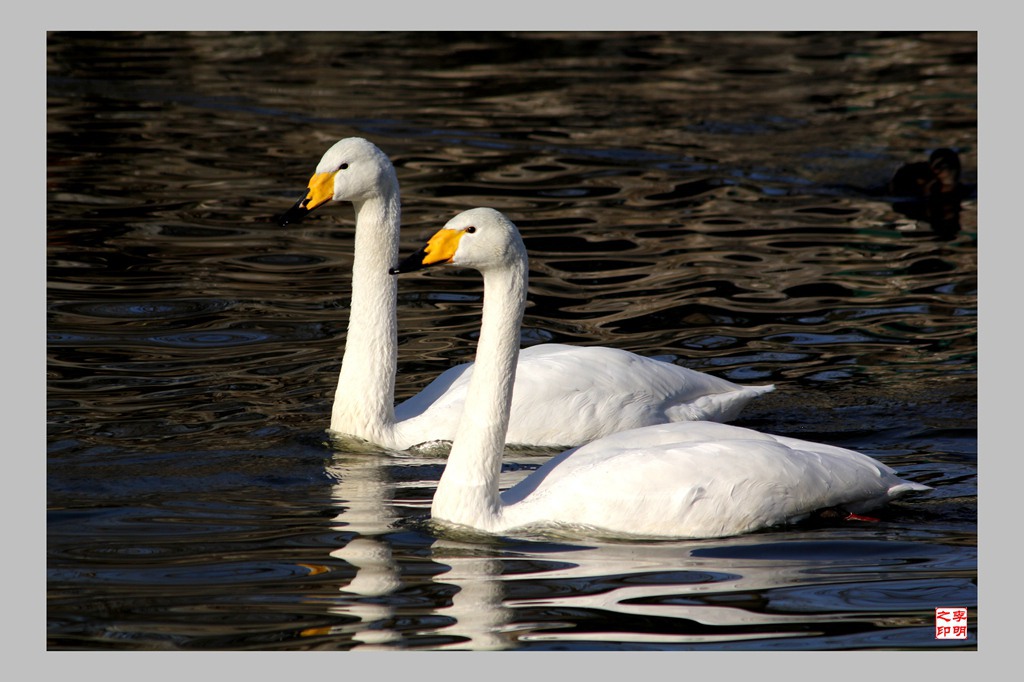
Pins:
x,y
364,494
480,618
377,575
713,576
361,490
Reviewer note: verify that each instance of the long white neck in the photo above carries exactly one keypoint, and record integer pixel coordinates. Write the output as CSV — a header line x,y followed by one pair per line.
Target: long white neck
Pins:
x,y
364,402
468,490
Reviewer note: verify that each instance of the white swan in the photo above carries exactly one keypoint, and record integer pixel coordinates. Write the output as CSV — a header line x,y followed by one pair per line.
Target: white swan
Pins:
x,y
564,395
686,479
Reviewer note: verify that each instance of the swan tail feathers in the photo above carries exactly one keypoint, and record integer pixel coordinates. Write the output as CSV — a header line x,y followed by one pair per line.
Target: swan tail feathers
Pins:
x,y
717,407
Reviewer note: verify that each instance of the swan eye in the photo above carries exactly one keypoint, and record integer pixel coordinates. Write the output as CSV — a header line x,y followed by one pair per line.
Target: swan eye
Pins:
x,y
471,229
343,166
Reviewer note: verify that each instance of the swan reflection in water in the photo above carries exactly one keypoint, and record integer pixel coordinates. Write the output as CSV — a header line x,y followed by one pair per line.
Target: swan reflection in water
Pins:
x,y
488,593
363,493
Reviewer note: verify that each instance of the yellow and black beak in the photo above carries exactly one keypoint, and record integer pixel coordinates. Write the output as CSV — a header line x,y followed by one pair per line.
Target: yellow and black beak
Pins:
x,y
318,193
439,250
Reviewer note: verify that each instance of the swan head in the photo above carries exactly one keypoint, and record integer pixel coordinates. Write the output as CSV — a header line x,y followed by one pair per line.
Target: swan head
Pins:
x,y
480,238
353,169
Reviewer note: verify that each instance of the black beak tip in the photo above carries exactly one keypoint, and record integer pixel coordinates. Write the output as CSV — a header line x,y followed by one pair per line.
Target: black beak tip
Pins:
x,y
295,214
411,263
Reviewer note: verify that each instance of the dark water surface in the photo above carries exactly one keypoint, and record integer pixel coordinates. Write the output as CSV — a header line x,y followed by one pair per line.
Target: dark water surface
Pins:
x,y
716,199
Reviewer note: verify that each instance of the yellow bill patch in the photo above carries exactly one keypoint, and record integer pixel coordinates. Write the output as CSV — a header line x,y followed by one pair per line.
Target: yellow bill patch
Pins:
x,y
321,190
442,246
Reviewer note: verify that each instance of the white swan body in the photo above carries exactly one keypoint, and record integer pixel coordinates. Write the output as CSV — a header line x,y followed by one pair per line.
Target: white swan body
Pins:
x,y
596,390
564,395
683,479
